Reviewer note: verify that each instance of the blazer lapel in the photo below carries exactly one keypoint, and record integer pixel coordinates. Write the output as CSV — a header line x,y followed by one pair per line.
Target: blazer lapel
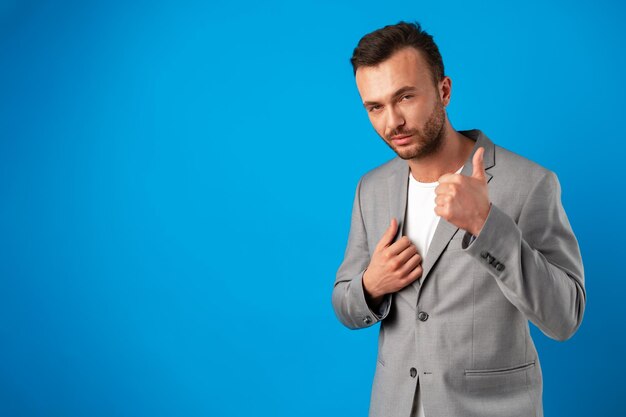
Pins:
x,y
398,188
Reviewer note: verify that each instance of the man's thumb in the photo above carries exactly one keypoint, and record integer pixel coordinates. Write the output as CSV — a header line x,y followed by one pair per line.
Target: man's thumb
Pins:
x,y
478,167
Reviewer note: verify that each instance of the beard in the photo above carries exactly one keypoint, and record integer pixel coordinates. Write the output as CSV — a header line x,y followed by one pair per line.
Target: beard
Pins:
x,y
425,141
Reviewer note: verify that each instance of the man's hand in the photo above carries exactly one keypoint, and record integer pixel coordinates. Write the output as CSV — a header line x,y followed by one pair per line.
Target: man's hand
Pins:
x,y
393,266
464,201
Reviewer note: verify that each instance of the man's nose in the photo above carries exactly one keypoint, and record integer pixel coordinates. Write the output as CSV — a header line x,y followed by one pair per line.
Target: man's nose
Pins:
x,y
395,118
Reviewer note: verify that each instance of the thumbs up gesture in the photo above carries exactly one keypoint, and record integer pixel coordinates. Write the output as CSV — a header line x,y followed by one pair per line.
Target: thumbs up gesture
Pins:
x,y
462,200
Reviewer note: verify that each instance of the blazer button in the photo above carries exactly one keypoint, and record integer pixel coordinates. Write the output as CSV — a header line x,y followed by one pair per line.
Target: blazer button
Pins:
x,y
500,267
484,254
367,320
422,315
413,372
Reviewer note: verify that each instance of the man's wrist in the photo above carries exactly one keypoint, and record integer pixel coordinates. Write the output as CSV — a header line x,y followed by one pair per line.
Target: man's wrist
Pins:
x,y
479,226
373,301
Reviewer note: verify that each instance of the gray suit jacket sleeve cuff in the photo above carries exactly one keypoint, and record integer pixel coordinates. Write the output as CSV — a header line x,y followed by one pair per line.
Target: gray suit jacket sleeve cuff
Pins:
x,y
491,235
365,314
468,239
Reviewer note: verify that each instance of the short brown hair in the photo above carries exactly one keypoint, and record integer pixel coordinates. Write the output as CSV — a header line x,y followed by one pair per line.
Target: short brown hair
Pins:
x,y
377,46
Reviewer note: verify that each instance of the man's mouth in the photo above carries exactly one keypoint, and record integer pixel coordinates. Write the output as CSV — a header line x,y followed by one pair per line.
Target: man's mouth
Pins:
x,y
401,139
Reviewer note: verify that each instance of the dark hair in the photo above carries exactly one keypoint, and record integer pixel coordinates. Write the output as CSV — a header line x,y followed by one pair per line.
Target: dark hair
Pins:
x,y
377,46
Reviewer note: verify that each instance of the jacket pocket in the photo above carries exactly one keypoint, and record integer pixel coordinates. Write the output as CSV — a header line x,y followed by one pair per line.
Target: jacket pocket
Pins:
x,y
499,380
500,371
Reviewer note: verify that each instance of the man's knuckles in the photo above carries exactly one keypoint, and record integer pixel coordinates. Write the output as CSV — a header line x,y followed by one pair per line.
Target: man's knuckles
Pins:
x,y
394,264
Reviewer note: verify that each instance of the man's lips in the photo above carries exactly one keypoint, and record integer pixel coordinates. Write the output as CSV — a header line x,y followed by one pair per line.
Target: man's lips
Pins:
x,y
401,139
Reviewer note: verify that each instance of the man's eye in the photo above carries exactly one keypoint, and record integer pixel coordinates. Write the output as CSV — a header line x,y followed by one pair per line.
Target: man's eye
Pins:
x,y
408,96
374,108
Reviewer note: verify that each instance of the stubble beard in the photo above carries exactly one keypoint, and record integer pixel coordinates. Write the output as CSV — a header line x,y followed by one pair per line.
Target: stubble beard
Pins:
x,y
429,140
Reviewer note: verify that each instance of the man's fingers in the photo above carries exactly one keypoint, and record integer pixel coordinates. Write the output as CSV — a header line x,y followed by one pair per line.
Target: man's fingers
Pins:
x,y
404,256
478,166
415,273
446,188
398,246
389,234
411,263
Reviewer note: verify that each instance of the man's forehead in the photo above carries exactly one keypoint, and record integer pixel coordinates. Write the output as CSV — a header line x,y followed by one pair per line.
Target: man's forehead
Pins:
x,y
405,67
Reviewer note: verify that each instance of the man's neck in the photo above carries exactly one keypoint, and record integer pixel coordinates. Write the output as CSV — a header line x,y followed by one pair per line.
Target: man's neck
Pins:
x,y
455,149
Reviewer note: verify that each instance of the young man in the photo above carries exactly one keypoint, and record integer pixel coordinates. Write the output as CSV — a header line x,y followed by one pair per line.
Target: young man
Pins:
x,y
454,245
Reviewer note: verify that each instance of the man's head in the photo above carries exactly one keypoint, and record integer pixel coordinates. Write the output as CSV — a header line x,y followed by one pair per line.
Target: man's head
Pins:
x,y
400,77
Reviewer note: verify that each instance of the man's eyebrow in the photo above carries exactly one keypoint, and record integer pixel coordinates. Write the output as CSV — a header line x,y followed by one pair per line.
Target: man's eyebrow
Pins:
x,y
398,92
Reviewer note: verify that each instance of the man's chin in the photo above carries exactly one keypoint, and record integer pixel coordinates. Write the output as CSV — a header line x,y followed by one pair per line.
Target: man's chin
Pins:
x,y
406,153
409,151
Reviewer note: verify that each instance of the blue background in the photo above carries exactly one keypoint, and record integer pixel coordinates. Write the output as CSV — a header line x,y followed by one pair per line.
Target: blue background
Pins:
x,y
176,182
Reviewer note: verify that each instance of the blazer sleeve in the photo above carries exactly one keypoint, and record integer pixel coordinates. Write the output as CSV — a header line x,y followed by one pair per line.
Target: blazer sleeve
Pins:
x,y
536,262
348,296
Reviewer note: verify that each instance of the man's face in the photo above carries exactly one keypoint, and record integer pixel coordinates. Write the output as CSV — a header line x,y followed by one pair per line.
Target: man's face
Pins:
x,y
403,104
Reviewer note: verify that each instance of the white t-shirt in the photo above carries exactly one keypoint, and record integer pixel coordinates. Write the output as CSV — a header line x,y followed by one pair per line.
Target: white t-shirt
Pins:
x,y
420,224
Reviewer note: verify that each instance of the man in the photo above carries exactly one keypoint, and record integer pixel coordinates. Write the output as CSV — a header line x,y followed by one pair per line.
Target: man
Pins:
x,y
454,246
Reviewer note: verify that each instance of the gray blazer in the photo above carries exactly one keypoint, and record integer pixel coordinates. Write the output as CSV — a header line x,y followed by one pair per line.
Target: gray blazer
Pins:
x,y
462,328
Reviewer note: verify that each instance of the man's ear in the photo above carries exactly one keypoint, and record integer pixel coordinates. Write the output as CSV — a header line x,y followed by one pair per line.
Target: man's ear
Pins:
x,y
445,90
